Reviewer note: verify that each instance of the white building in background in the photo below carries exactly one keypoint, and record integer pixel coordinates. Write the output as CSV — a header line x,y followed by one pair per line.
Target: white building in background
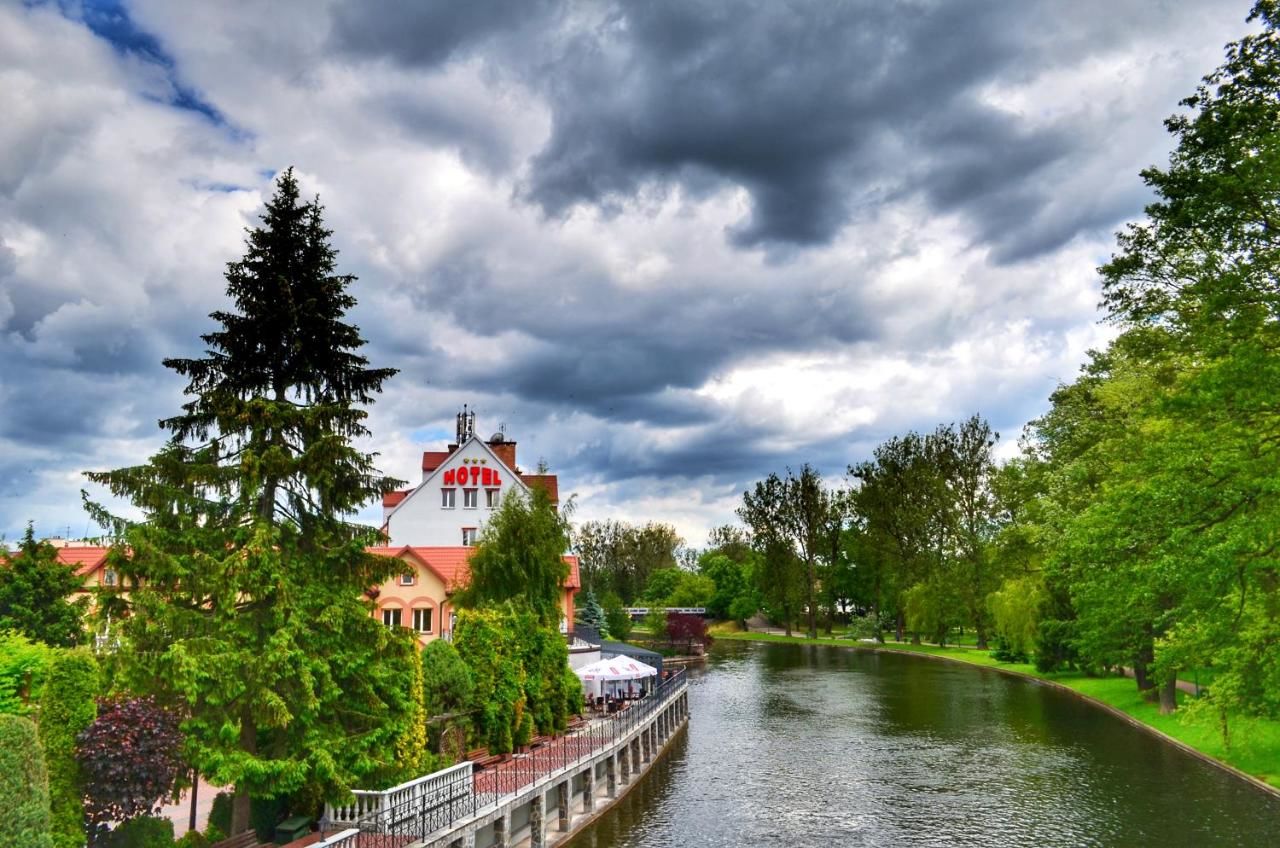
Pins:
x,y
460,489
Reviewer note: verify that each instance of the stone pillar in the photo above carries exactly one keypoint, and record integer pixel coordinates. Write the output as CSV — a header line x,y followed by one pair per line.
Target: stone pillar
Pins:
x,y
644,744
500,831
611,775
589,789
537,825
467,840
624,753
562,803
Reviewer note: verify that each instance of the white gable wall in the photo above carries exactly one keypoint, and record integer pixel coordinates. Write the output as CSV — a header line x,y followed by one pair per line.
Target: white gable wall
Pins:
x,y
422,520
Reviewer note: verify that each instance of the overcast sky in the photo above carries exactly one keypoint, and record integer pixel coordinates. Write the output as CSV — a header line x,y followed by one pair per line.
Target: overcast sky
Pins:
x,y
672,246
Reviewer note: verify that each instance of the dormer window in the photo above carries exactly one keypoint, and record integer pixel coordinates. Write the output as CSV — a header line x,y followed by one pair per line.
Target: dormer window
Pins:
x,y
407,580
447,498
469,498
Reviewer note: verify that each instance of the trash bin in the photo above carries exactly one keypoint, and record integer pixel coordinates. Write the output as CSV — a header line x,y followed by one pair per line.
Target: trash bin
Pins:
x,y
291,829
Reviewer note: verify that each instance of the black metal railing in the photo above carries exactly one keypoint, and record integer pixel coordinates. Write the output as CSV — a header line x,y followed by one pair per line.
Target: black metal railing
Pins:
x,y
448,801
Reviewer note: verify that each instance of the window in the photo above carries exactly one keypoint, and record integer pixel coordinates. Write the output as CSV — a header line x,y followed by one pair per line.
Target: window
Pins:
x,y
406,580
468,536
422,619
491,497
446,498
469,498
391,617
109,577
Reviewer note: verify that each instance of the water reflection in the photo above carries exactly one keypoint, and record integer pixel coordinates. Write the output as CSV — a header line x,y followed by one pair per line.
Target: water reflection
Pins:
x,y
801,746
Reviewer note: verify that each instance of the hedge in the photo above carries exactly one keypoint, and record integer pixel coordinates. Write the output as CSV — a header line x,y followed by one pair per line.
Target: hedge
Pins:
x,y
24,785
67,707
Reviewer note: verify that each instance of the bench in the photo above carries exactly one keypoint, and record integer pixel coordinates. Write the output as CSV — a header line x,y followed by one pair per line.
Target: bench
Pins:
x,y
483,759
248,839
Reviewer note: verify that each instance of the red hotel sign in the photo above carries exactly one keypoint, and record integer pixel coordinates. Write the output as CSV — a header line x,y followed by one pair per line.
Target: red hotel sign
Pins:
x,y
473,476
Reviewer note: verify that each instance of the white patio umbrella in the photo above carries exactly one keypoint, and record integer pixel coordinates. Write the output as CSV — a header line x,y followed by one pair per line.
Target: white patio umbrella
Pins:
x,y
613,670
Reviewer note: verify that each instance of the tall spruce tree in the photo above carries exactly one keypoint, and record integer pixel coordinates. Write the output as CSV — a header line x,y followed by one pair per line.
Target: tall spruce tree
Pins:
x,y
249,610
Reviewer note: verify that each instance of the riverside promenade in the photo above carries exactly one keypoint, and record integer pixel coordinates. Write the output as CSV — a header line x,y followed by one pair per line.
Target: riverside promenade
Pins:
x,y
511,804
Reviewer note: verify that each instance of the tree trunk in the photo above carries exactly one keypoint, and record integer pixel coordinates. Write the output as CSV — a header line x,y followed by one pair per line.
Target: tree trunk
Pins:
x,y
813,605
1169,694
875,619
982,636
240,803
898,627
1142,666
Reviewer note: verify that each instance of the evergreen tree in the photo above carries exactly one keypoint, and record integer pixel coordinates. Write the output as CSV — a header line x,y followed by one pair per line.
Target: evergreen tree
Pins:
x,y
248,610
591,614
34,593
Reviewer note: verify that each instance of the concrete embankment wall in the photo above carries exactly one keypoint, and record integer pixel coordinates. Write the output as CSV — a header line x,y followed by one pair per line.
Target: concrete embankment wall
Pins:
x,y
554,807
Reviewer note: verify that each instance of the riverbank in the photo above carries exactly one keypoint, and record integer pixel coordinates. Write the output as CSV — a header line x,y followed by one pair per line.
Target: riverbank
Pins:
x,y
1254,754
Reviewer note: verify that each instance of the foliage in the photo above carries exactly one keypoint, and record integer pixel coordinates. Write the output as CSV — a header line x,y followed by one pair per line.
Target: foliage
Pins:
x,y
796,524
411,745
616,557
24,665
34,594
249,571
520,556
656,622
24,786
686,629
219,816
141,832
573,692
447,694
1015,609
67,707
130,757
591,614
676,587
617,618
486,643
192,839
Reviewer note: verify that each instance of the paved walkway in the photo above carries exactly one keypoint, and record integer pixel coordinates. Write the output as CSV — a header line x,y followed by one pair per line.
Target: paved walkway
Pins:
x,y
180,813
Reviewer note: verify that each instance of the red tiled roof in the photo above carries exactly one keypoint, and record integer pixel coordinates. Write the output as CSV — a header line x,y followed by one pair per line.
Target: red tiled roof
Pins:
x,y
83,559
549,482
450,564
390,499
431,460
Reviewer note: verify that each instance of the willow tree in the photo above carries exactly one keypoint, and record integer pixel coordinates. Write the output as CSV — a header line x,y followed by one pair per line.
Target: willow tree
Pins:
x,y
250,573
520,557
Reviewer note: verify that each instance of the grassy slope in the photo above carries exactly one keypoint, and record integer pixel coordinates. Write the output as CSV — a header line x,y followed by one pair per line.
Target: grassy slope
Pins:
x,y
1255,747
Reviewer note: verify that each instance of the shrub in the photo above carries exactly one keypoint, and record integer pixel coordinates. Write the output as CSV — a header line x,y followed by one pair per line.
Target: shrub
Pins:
x,y
129,758
219,816
192,839
24,665
141,832
67,707
24,786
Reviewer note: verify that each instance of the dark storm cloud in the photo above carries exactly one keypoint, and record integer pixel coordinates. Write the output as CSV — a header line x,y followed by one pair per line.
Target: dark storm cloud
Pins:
x,y
817,109
427,33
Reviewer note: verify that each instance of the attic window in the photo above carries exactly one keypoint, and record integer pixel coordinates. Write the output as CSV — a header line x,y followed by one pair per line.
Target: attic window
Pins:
x,y
406,579
109,577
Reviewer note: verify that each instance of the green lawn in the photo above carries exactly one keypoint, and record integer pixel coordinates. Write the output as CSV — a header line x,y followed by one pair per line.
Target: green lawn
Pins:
x,y
1255,743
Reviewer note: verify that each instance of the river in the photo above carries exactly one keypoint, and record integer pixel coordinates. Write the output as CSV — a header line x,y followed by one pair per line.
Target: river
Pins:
x,y
793,745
